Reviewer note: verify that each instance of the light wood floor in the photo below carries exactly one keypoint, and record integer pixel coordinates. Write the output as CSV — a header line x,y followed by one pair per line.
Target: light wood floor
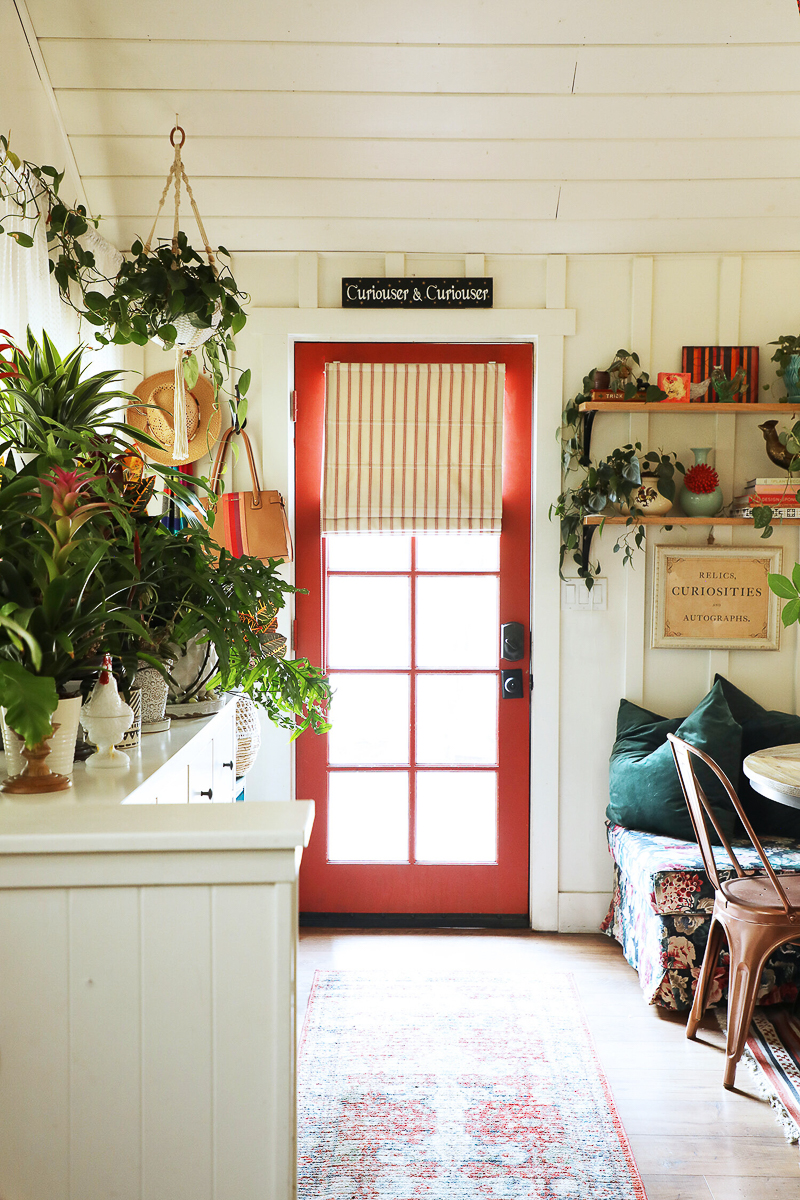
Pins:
x,y
692,1139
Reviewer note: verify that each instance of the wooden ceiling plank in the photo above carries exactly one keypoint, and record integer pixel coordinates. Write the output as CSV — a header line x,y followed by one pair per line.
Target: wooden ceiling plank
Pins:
x,y
427,199
315,67
285,114
385,158
359,235
456,22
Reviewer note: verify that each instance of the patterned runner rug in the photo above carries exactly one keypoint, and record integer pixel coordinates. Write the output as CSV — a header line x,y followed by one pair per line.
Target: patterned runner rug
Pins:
x,y
772,1052
454,1087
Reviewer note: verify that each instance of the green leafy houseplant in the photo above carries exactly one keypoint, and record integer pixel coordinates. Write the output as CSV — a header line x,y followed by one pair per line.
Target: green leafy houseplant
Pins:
x,y
151,292
788,589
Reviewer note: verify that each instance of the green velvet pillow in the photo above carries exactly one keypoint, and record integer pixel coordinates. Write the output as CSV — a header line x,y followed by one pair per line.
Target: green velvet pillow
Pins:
x,y
644,788
762,728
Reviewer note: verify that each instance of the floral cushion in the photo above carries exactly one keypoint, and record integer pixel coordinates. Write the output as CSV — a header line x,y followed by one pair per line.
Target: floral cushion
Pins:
x,y
661,911
670,872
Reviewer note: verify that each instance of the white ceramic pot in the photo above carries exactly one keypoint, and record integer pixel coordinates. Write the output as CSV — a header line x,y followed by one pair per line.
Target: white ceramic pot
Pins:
x,y
62,743
649,500
154,694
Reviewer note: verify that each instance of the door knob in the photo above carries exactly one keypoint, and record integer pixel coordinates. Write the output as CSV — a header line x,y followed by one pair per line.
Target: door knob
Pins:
x,y
512,641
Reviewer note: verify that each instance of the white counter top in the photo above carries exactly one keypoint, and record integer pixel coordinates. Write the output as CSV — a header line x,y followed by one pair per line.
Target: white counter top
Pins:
x,y
104,828
117,787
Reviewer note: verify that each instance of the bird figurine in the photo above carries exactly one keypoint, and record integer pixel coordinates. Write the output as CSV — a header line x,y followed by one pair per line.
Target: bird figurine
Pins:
x,y
781,455
696,390
726,388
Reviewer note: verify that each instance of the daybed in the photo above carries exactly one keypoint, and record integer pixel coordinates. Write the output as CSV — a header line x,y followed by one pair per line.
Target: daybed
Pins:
x,y
661,909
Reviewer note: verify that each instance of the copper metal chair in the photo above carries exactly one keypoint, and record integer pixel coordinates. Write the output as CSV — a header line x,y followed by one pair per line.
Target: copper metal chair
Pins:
x,y
757,912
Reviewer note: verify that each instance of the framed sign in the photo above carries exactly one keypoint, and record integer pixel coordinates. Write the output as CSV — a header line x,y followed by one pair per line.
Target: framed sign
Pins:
x,y
715,599
413,292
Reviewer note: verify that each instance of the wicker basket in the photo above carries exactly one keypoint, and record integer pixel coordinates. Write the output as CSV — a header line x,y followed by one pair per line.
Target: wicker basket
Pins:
x,y
248,735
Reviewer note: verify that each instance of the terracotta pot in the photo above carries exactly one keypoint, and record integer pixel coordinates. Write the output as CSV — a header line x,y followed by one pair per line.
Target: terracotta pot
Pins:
x,y
62,743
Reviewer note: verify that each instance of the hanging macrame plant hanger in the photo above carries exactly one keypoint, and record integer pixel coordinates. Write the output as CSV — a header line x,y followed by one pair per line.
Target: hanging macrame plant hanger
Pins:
x,y
189,337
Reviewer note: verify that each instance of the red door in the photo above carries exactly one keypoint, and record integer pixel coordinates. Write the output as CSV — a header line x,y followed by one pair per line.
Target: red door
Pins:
x,y
422,786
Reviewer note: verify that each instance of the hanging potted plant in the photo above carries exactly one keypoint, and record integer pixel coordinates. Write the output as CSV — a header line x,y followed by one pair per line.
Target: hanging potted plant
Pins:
x,y
182,299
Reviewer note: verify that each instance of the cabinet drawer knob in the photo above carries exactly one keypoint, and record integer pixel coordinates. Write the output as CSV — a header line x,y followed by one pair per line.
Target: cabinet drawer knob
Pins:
x,y
209,793
229,765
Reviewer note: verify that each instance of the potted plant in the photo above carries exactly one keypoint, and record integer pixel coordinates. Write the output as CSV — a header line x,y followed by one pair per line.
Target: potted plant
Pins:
x,y
49,403
787,356
615,482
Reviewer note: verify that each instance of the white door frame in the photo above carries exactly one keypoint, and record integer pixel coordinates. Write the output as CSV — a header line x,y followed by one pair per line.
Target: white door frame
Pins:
x,y
278,330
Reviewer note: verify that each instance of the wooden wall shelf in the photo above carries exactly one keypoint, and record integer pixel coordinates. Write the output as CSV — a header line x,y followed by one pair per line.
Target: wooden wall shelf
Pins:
x,y
680,519
618,406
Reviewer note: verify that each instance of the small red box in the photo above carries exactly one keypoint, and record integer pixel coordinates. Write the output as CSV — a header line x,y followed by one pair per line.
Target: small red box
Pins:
x,y
676,384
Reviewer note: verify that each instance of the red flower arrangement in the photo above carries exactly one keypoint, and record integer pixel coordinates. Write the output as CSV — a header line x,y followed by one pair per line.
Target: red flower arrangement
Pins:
x,y
701,478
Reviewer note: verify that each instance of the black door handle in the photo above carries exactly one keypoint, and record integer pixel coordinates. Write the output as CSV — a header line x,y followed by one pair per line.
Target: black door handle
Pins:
x,y
512,641
209,793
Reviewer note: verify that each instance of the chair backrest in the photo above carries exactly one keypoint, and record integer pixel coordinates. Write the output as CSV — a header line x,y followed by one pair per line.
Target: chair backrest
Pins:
x,y
701,812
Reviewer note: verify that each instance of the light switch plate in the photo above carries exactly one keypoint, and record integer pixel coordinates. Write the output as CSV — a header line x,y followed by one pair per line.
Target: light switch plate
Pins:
x,y
576,597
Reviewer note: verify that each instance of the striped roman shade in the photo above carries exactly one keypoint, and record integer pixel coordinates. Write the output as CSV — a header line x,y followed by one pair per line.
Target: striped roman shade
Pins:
x,y
413,446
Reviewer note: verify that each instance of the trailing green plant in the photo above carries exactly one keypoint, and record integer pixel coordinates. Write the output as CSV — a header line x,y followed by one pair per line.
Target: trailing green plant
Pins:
x,y
151,291
788,345
614,481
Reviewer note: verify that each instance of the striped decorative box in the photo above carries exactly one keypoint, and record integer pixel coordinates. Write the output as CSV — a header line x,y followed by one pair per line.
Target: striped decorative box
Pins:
x,y
699,361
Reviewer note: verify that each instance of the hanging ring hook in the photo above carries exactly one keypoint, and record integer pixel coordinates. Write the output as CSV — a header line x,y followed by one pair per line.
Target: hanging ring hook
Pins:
x,y
177,129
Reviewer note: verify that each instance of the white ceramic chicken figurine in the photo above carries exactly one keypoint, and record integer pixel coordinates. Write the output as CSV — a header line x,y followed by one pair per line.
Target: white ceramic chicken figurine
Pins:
x,y
105,716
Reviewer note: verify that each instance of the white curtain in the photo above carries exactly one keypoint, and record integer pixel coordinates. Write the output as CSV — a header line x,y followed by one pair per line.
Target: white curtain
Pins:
x,y
29,295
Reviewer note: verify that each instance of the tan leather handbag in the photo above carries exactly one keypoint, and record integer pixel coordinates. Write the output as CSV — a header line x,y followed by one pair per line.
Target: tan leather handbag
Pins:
x,y
251,522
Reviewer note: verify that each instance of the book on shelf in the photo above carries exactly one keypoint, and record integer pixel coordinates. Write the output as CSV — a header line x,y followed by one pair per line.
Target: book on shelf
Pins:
x,y
788,499
777,513
772,484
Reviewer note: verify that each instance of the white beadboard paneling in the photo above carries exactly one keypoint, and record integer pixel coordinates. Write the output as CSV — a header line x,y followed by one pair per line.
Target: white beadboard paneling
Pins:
x,y
34,1045
520,282
533,22
176,1044
255,155
334,198
491,69
267,278
254,1147
304,114
105,1047
690,320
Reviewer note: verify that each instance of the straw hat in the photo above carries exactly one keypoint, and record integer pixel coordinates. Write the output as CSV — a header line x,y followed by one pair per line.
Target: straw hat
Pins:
x,y
202,418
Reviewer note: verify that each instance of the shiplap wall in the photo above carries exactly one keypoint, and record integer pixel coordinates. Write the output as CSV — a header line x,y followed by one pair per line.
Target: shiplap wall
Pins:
x,y
654,305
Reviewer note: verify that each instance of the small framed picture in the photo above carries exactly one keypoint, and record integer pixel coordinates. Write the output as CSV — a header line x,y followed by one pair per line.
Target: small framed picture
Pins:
x,y
715,599
676,384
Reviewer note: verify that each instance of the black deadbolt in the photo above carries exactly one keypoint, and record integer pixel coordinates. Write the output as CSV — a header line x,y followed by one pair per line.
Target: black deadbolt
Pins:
x,y
511,684
512,641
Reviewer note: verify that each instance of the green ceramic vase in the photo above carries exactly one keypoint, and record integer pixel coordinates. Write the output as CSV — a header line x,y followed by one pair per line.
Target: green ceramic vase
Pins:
x,y
700,504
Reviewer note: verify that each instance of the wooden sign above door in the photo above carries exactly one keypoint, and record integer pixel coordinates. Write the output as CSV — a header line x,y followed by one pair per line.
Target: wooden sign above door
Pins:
x,y
412,292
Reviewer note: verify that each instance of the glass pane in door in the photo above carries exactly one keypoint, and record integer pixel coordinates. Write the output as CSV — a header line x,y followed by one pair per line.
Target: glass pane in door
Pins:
x,y
372,719
457,719
368,816
456,621
456,817
369,621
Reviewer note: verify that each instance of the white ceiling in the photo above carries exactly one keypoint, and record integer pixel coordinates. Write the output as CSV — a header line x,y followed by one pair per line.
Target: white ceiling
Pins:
x,y
519,126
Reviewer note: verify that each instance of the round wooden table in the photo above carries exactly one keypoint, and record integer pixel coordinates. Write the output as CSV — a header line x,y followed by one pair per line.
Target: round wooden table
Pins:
x,y
775,773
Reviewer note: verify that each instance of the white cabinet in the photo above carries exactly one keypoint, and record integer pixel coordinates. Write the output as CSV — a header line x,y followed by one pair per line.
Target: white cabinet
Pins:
x,y
147,1007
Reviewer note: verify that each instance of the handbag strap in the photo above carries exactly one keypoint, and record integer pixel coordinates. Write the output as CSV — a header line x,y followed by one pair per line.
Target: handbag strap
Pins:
x,y
219,464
